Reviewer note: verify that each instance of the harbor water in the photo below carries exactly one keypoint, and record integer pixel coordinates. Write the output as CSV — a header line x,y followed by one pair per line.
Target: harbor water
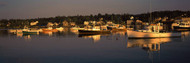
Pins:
x,y
68,46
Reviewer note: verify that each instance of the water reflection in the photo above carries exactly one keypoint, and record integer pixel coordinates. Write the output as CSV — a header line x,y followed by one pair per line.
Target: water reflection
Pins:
x,y
186,33
104,47
27,37
74,30
151,46
95,38
147,44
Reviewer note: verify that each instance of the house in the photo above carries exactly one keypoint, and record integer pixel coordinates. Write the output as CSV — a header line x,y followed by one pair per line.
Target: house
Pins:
x,y
109,22
33,23
55,24
72,23
50,24
134,24
100,23
65,23
86,23
186,19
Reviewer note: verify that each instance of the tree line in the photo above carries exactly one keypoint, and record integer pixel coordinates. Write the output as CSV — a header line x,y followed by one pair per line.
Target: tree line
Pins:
x,y
79,19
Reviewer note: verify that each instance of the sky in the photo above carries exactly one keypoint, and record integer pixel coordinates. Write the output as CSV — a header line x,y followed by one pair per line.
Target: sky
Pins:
x,y
26,9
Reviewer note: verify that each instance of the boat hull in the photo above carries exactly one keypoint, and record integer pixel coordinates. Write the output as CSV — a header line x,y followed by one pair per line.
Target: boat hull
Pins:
x,y
93,32
177,28
110,28
138,35
50,30
27,32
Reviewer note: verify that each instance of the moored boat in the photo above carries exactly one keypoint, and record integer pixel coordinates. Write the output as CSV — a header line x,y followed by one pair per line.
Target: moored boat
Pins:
x,y
117,27
182,26
120,29
138,34
30,31
50,29
93,31
111,27
153,31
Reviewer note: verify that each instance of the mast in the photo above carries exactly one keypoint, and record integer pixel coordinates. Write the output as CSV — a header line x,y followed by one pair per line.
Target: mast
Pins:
x,y
150,11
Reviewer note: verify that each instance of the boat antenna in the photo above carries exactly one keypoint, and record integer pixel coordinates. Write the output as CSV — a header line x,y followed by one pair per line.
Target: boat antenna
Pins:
x,y
150,11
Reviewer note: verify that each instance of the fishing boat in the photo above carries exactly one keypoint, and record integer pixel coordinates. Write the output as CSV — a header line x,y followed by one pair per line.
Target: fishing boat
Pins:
x,y
76,28
49,29
155,33
29,31
137,34
93,31
182,26
117,27
120,29
111,27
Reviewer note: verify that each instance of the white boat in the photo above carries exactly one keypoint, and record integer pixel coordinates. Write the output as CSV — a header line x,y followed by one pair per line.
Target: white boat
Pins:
x,y
93,30
138,34
155,33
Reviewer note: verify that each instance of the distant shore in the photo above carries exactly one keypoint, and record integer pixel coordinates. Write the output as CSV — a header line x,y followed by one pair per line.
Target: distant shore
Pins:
x,y
79,19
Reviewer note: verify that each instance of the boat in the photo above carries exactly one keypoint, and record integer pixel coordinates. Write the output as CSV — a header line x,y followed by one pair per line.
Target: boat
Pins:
x,y
120,29
12,31
111,27
93,31
155,33
182,26
49,29
117,28
29,31
60,29
138,35
76,28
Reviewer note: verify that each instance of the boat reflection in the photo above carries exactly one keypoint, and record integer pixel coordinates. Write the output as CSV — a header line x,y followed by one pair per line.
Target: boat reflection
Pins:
x,y
74,30
186,33
121,33
95,38
49,33
151,46
27,37
147,44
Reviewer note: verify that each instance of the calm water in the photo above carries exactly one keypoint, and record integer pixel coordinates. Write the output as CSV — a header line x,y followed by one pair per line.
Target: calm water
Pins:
x,y
69,47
